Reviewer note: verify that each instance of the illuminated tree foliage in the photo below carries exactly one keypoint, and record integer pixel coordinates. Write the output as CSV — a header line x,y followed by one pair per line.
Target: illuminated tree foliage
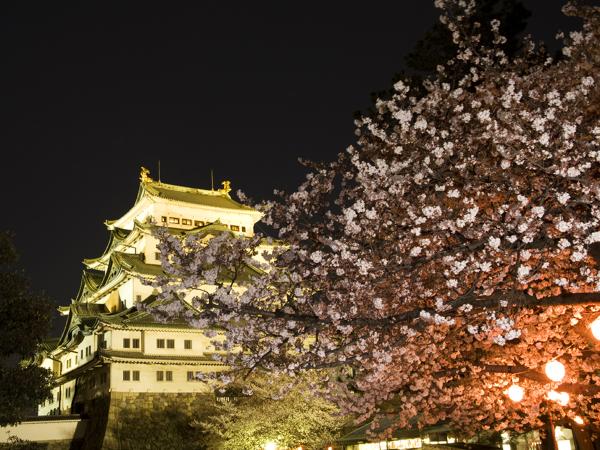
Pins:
x,y
449,253
287,412
24,321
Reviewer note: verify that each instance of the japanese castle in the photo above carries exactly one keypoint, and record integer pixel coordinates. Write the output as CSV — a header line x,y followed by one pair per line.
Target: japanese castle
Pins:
x,y
111,349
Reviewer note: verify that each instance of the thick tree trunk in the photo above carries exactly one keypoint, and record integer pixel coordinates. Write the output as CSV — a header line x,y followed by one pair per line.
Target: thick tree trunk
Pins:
x,y
583,437
548,437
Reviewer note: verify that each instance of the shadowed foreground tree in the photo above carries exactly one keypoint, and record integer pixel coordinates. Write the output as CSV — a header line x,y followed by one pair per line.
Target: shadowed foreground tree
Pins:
x,y
24,321
449,254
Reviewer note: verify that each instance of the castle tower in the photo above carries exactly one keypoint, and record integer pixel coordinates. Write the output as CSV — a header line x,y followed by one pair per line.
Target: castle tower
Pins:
x,y
109,348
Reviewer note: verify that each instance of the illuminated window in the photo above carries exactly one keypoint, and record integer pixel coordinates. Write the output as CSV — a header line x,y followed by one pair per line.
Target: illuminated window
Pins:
x,y
173,220
163,219
126,343
68,363
160,375
126,375
135,343
187,344
186,222
169,375
235,228
160,343
198,223
136,375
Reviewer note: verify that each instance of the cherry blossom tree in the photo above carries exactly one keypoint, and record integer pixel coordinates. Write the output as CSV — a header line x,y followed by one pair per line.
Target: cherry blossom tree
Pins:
x,y
447,255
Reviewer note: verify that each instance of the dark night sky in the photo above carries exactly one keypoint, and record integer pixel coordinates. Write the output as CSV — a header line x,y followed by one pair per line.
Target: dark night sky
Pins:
x,y
92,90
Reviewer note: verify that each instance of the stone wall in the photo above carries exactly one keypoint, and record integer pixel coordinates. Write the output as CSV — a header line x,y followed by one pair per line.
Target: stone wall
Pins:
x,y
152,420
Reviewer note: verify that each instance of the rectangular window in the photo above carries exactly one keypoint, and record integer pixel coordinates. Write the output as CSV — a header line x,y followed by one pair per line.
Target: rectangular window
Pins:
x,y
186,222
160,375
163,219
243,229
169,375
138,298
135,343
190,376
81,353
235,228
173,220
68,363
68,392
157,256
126,343
170,343
136,375
187,344
160,343
126,375
198,223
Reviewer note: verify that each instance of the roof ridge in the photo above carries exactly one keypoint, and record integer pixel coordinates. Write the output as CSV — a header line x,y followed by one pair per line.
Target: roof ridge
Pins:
x,y
177,187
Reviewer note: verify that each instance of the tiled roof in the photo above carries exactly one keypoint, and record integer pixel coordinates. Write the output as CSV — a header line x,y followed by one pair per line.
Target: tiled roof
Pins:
x,y
216,199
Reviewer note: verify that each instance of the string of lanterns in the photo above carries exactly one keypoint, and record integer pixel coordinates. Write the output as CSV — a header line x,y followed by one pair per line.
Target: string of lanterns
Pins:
x,y
555,371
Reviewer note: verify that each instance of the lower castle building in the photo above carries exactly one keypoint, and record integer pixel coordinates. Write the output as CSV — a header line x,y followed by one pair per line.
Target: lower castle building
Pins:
x,y
111,353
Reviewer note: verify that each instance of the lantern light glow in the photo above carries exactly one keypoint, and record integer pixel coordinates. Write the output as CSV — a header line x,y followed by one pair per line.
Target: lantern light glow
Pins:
x,y
595,328
562,398
555,370
578,420
515,393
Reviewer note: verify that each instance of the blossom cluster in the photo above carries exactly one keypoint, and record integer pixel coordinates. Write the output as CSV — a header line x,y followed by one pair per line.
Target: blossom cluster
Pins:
x,y
446,250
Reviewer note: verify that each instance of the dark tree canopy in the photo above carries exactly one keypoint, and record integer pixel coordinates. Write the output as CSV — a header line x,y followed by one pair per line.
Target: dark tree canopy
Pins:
x,y
24,321
437,46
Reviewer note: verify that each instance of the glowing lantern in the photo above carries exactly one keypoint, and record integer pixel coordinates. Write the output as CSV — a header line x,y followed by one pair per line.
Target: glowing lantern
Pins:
x,y
562,398
555,370
578,420
515,393
270,446
595,327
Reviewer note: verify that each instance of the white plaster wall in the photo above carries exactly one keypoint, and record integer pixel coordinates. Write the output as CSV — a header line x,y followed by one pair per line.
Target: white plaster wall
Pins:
x,y
200,343
46,430
205,214
149,249
108,338
141,289
119,335
51,404
126,293
149,383
66,402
